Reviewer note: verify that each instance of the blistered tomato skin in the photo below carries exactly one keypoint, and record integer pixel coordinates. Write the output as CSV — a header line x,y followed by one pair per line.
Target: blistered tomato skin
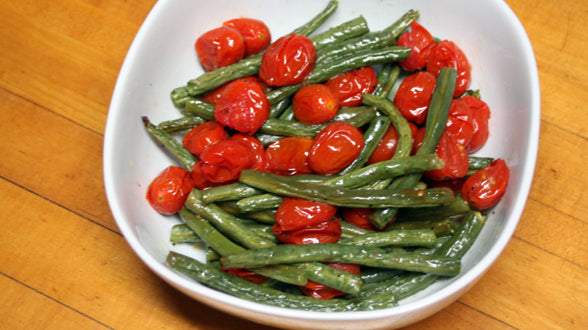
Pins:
x,y
287,61
256,35
242,106
200,181
289,156
168,192
414,96
297,213
224,160
455,157
448,54
203,135
421,42
335,147
486,187
349,87
257,149
480,116
314,104
220,47
325,232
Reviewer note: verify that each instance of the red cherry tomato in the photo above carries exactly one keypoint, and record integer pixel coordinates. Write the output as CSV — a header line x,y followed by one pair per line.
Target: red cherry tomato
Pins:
x,y
349,87
200,181
321,291
242,106
287,61
480,117
214,95
486,187
358,217
203,135
314,104
324,232
452,153
220,47
297,213
260,161
420,41
414,95
289,156
256,34
224,160
387,146
335,147
453,184
168,192
459,123
448,54
245,274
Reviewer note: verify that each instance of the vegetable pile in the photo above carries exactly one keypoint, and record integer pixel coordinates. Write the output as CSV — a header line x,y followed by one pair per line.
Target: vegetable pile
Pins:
x,y
328,171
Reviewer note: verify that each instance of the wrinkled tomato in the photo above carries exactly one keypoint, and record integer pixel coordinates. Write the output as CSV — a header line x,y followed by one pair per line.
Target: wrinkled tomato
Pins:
x,y
358,217
168,192
387,146
455,157
214,95
448,54
321,291
421,42
297,213
324,232
203,135
480,113
260,161
289,156
314,104
287,61
220,47
224,160
245,274
459,123
242,106
414,95
486,187
335,147
256,35
349,87
200,181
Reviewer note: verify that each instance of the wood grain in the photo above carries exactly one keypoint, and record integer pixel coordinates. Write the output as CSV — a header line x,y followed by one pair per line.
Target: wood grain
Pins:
x,y
58,68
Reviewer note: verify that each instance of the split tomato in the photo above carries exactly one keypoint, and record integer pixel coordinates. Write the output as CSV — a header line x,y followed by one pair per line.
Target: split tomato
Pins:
x,y
203,135
486,187
287,61
200,181
220,47
256,35
289,156
168,192
447,54
349,87
414,96
259,158
335,147
224,160
421,42
314,104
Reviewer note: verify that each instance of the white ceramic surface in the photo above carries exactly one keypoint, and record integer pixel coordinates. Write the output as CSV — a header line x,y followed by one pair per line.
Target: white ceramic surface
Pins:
x,y
162,57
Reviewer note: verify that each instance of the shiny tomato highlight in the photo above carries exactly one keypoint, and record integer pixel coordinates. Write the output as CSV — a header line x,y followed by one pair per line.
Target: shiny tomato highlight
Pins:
x,y
256,35
421,42
314,104
224,160
297,213
203,135
220,47
287,61
414,96
447,54
257,149
324,232
486,187
168,192
335,147
349,87
289,156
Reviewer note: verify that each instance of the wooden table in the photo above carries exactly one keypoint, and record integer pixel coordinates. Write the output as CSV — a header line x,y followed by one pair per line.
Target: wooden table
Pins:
x,y
64,263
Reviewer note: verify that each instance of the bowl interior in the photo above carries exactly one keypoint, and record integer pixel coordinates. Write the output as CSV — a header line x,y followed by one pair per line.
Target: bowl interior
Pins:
x,y
162,57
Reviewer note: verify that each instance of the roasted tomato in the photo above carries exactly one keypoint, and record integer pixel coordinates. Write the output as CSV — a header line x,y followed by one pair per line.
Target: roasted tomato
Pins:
x,y
245,274
448,54
214,95
324,232
260,161
200,181
414,95
486,187
480,113
242,106
321,291
335,147
459,123
358,217
289,156
314,104
203,135
420,41
168,192
220,47
452,153
387,146
287,61
349,87
224,160
297,213
256,35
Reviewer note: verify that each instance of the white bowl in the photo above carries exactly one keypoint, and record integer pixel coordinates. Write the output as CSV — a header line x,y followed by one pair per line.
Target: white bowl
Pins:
x,y
162,57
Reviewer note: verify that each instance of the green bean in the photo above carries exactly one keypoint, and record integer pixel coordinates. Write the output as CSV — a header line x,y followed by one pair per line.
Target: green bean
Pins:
x,y
200,108
171,144
372,137
439,227
241,288
371,275
347,30
329,276
183,234
349,230
181,124
317,20
396,237
180,96
333,252
434,126
383,89
478,163
459,207
259,202
228,192
278,108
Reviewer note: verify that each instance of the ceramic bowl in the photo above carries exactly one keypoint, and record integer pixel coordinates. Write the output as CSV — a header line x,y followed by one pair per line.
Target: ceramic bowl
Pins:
x,y
162,57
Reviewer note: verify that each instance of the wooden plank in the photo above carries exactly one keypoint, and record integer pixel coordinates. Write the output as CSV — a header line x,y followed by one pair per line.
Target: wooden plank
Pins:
x,y
459,316
90,269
